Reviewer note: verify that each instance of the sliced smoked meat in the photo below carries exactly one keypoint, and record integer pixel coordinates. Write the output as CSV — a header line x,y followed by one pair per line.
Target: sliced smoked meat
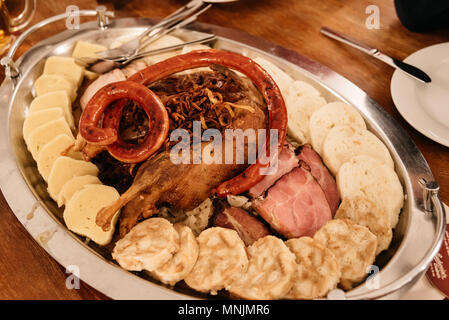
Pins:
x,y
322,175
295,206
287,161
248,227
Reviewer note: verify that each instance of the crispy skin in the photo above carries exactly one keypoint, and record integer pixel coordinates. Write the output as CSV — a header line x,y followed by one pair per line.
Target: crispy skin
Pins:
x,y
182,186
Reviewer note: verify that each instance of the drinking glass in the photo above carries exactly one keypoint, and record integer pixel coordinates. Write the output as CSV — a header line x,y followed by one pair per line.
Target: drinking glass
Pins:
x,y
11,23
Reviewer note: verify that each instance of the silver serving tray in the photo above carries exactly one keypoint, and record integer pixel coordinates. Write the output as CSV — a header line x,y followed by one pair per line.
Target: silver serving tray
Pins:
x,y
417,238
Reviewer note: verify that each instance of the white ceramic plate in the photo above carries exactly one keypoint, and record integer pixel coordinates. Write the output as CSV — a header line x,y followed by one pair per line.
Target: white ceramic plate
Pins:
x,y
425,106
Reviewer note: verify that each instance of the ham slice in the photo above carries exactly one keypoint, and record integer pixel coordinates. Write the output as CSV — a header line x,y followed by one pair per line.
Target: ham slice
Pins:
x,y
295,206
322,175
248,227
287,161
112,76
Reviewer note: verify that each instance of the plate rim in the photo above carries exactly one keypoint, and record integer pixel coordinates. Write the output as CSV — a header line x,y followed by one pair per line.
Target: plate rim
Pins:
x,y
398,100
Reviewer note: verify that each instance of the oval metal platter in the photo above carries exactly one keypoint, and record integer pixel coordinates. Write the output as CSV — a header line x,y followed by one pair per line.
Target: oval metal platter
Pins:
x,y
417,237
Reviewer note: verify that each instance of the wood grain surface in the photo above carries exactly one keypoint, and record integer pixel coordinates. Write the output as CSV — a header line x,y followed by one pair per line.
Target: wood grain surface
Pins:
x,y
28,272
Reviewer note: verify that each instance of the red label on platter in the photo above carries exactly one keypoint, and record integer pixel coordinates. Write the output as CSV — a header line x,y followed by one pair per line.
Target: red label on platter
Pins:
x,y
438,272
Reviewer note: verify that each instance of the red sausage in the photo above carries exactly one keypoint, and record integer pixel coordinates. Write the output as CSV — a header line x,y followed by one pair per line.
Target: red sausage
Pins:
x,y
262,80
108,135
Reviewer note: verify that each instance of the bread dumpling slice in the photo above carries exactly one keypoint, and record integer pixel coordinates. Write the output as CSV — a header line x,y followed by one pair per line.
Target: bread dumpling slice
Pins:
x,y
54,82
344,142
66,67
299,113
332,115
43,134
55,99
81,211
300,88
64,169
364,212
53,150
73,186
367,177
353,246
282,79
39,118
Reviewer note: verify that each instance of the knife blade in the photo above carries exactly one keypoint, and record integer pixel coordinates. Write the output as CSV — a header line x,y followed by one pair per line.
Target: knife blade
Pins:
x,y
408,69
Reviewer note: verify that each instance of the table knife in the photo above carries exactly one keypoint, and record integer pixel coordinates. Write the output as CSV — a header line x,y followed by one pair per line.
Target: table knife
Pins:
x,y
408,69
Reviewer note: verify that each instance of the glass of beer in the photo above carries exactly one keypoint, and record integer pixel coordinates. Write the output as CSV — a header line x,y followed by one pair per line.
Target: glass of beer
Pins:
x,y
20,14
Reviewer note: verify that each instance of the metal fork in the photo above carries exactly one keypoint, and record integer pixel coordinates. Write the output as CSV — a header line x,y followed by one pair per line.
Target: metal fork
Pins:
x,y
99,65
167,25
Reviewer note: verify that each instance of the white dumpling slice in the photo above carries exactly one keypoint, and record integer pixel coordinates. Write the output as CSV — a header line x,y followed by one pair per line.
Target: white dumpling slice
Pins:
x,y
73,186
53,150
81,211
55,99
39,118
65,67
64,169
43,134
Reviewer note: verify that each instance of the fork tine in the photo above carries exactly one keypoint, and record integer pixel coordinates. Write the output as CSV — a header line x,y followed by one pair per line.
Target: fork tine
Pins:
x,y
175,17
168,25
174,27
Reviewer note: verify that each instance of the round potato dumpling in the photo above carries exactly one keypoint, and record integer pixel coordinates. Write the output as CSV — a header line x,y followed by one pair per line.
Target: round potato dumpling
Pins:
x,y
178,267
271,269
148,246
354,247
364,175
363,212
221,256
344,142
332,115
318,271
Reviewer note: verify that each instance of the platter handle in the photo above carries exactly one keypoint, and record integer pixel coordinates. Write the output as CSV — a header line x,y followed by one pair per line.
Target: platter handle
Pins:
x,y
431,201
432,206
12,70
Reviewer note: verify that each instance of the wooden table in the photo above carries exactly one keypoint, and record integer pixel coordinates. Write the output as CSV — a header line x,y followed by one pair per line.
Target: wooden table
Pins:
x,y
28,272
